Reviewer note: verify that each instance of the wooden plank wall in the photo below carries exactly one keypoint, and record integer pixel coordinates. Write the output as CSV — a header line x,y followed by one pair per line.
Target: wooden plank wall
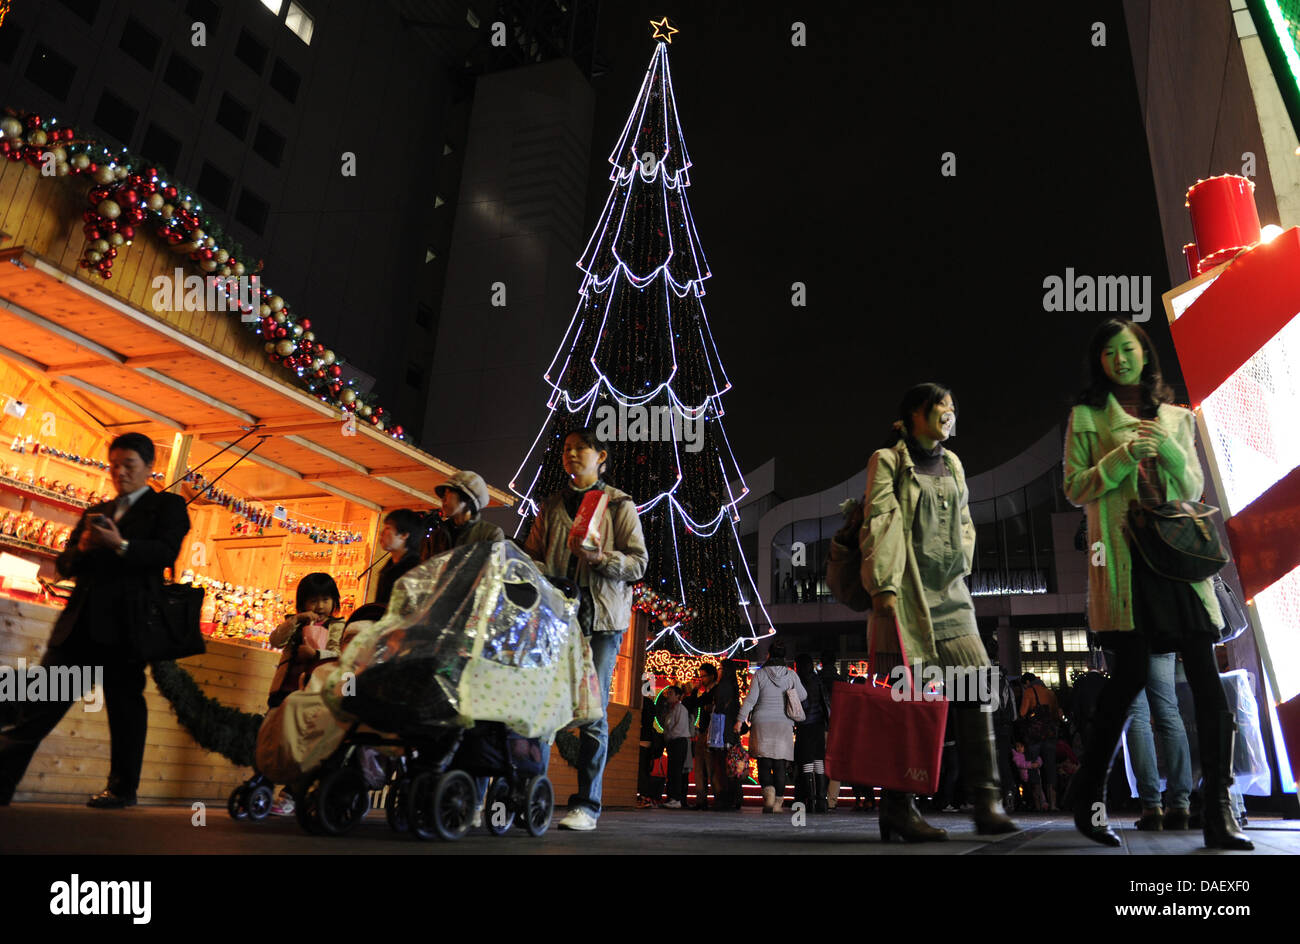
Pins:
x,y
72,763
619,787
43,214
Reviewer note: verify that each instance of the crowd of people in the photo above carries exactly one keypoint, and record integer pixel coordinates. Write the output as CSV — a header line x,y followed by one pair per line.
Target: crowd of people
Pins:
x,y
1126,446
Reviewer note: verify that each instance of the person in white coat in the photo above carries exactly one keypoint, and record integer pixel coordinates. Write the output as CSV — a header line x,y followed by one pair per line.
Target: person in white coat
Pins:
x,y
771,735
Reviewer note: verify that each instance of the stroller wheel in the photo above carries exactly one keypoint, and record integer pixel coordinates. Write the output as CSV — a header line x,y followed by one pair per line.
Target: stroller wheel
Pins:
x,y
306,811
538,805
442,805
258,803
236,805
395,805
340,800
498,819
417,799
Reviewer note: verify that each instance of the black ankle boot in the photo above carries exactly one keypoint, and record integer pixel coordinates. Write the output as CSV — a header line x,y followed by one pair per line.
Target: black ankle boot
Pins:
x,y
820,805
899,816
1089,803
1219,825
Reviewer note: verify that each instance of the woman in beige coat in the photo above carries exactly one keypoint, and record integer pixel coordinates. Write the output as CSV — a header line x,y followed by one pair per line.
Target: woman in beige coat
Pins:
x,y
1126,443
918,544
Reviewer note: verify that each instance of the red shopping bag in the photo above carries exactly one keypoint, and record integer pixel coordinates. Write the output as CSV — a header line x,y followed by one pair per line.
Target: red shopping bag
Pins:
x,y
885,737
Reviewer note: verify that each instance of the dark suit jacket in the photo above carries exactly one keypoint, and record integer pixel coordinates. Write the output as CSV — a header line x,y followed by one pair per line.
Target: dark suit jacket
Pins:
x,y
111,588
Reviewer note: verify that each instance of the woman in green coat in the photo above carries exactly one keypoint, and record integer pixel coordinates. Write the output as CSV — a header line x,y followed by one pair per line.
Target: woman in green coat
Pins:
x,y
1127,442
918,544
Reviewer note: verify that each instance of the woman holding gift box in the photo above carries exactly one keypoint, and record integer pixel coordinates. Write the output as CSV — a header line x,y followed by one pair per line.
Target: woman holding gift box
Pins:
x,y
604,557
918,544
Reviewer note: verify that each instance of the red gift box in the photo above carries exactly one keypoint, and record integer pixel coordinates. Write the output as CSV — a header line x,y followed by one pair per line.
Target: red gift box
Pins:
x,y
586,526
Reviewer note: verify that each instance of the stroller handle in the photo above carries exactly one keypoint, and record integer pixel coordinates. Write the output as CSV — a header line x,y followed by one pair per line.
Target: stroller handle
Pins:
x,y
566,586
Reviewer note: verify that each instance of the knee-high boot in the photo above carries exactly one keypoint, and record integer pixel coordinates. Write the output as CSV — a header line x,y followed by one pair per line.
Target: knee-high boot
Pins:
x,y
1088,785
1219,825
977,748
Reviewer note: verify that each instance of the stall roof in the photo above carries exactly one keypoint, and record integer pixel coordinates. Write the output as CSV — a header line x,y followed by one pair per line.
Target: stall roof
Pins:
x,y
135,373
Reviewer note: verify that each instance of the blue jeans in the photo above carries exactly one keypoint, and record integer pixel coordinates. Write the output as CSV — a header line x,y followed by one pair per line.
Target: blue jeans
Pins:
x,y
1155,714
593,745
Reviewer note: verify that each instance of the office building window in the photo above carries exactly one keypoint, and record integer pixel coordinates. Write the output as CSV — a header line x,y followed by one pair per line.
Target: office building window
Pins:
x,y
10,37
300,21
250,51
252,211
269,144
215,185
233,116
285,80
183,76
116,117
86,9
139,43
160,147
50,71
274,5
205,12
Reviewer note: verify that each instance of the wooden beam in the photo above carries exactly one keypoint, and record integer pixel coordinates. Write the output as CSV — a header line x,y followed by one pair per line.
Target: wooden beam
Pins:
x,y
329,454
204,398
80,365
58,330
123,402
24,360
166,357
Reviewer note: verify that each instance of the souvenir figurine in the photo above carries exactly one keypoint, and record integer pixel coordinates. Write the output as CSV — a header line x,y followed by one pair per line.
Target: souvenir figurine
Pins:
x,y
7,522
23,526
30,477
47,530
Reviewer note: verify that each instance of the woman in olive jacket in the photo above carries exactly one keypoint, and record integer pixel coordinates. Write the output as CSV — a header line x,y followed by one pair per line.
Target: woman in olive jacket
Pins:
x,y
1127,443
918,544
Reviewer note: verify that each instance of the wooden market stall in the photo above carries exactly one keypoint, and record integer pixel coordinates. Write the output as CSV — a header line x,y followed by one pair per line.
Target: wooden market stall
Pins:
x,y
82,361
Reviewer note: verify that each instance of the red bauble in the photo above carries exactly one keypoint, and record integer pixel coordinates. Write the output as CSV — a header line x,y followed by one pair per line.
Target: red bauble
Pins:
x,y
335,370
109,225
135,214
90,216
151,172
128,232
110,252
173,237
106,273
306,324
398,431
206,254
34,122
170,193
92,234
379,411
128,198
98,194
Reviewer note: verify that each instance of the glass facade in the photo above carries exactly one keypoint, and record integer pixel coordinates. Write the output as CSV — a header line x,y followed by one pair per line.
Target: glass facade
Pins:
x,y
1054,655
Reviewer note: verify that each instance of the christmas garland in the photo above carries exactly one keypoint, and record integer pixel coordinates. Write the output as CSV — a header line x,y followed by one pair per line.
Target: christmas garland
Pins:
x,y
216,727
567,742
130,195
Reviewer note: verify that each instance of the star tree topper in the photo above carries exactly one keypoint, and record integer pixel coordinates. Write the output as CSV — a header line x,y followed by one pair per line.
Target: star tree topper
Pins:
x,y
663,30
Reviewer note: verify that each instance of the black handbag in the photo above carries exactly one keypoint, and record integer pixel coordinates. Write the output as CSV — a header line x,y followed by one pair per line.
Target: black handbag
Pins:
x,y
1235,621
1178,540
170,627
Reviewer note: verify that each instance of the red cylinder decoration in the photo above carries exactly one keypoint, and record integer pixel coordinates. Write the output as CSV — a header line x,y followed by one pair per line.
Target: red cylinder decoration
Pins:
x,y
1224,218
1193,260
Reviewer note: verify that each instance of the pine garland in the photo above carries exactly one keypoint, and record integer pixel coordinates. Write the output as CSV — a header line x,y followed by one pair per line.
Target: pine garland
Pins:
x,y
227,731
567,742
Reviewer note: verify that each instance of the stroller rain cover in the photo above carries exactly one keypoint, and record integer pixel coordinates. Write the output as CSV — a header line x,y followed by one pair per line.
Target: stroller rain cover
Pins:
x,y
475,634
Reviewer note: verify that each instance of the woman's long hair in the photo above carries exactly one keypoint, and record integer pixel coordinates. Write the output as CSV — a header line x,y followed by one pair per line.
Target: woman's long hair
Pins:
x,y
921,397
1154,389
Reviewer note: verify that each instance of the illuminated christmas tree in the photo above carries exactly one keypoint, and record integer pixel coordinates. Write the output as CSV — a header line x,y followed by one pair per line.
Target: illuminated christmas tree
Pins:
x,y
638,360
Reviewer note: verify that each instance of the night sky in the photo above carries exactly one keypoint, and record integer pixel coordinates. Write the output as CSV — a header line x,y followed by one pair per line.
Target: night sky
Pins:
x,y
822,165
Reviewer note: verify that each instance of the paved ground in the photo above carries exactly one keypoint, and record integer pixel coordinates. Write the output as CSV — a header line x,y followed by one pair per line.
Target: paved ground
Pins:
x,y
51,828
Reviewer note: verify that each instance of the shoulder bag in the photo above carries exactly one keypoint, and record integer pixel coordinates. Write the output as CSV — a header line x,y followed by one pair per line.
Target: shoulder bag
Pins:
x,y
1177,540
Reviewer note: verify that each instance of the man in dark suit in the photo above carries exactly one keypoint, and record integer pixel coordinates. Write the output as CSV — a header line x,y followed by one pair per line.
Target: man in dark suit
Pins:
x,y
117,554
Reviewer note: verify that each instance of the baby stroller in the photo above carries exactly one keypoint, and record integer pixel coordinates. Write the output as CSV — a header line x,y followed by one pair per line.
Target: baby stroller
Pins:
x,y
253,798
477,660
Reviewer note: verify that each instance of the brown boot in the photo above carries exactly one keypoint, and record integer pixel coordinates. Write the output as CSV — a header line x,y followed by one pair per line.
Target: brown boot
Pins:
x,y
899,816
976,747
1152,821
990,820
769,799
